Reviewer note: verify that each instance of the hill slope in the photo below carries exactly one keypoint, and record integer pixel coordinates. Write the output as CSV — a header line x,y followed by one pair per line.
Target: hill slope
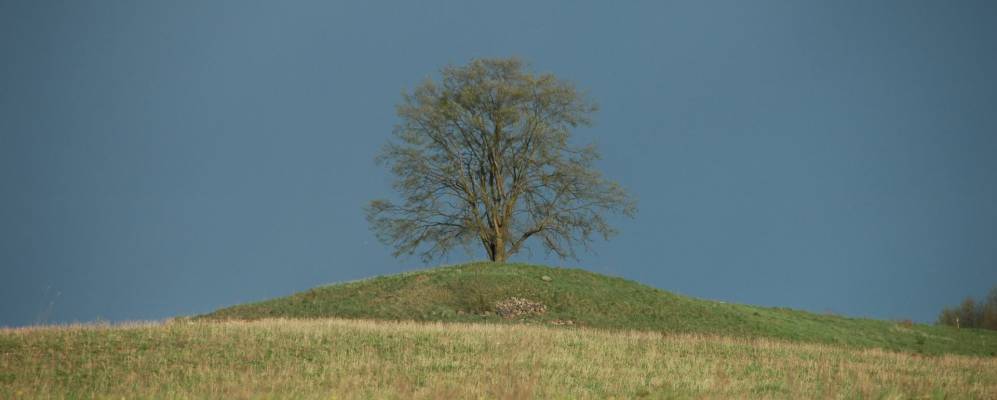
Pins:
x,y
469,292
336,358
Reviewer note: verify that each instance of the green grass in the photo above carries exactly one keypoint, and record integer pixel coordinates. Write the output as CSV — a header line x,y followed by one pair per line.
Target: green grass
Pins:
x,y
336,358
467,293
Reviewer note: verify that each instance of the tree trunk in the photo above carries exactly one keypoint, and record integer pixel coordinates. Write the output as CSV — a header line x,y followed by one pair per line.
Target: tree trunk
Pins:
x,y
499,252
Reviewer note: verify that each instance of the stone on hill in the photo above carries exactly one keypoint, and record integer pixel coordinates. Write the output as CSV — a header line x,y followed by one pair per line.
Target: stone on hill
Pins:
x,y
515,307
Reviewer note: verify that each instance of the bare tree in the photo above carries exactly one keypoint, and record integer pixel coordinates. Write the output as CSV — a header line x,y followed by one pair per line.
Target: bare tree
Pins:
x,y
972,314
483,156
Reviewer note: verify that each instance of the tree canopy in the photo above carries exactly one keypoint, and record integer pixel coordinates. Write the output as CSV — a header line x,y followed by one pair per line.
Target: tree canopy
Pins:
x,y
972,314
484,156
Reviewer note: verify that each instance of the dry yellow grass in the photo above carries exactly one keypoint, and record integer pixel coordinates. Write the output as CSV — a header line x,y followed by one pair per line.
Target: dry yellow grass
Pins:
x,y
363,359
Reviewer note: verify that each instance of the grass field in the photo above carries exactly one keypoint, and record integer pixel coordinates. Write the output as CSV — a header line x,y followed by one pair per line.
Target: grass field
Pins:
x,y
467,293
336,358
435,334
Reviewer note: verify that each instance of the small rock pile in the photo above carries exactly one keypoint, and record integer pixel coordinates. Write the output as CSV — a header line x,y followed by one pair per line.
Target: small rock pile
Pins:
x,y
515,307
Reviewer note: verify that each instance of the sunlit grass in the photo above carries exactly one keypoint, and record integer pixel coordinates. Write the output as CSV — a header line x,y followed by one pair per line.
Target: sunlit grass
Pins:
x,y
469,292
360,359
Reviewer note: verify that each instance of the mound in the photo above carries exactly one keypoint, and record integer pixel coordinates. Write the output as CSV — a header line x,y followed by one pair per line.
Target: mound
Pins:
x,y
574,297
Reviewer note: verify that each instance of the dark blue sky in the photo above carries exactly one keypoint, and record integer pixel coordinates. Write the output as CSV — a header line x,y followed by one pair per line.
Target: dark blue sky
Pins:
x,y
169,158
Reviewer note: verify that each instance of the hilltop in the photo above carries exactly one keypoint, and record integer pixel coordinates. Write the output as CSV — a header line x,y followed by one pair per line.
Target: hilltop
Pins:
x,y
579,298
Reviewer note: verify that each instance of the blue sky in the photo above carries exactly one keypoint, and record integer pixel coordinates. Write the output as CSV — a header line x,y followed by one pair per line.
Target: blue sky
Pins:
x,y
170,158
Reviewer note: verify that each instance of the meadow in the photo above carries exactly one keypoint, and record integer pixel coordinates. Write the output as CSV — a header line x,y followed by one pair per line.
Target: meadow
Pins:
x,y
469,293
341,358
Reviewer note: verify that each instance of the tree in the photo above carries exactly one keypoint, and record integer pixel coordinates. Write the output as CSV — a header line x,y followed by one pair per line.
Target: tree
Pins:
x,y
968,313
484,156
948,317
972,314
988,319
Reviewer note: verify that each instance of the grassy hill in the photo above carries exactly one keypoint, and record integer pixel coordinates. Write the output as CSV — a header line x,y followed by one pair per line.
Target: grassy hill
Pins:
x,y
336,358
578,298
